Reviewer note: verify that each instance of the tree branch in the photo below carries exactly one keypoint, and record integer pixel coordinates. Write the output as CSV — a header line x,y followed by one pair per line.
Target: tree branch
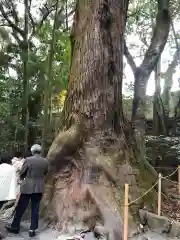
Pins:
x,y
46,13
129,58
37,26
31,18
176,41
151,58
11,24
159,37
173,64
158,40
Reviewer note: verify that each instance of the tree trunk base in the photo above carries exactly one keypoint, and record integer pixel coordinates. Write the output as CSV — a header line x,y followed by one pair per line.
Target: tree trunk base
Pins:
x,y
87,187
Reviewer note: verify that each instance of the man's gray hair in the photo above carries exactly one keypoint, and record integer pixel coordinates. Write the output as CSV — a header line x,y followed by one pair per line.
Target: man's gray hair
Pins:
x,y
36,148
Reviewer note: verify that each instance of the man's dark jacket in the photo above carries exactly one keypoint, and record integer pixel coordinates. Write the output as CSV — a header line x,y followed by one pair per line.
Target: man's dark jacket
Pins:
x,y
33,173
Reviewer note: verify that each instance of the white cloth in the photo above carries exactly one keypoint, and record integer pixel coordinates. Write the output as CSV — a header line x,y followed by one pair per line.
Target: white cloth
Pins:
x,y
17,164
8,182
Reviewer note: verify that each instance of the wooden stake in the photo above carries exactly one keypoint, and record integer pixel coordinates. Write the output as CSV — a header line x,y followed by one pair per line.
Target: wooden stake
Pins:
x,y
126,210
159,195
179,179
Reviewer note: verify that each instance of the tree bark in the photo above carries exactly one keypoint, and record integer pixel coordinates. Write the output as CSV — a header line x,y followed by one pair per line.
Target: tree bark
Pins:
x,y
25,94
93,158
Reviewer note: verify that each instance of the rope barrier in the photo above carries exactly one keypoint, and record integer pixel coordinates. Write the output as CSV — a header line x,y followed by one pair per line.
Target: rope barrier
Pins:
x,y
159,182
164,168
170,180
170,175
165,178
144,194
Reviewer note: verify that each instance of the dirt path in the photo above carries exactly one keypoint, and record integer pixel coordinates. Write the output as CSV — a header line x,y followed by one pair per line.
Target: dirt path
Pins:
x,y
50,234
45,233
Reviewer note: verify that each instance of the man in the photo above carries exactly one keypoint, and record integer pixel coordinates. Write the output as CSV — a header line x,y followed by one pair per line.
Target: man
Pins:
x,y
32,174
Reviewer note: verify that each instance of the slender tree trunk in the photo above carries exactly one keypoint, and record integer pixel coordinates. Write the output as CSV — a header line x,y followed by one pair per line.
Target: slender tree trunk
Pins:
x,y
168,76
142,73
48,88
25,77
159,116
93,158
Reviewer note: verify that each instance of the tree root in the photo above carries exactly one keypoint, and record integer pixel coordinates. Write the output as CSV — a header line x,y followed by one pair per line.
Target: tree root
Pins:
x,y
66,144
86,184
7,205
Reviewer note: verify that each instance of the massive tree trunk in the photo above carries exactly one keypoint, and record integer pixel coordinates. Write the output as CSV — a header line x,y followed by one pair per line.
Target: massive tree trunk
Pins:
x,y
93,159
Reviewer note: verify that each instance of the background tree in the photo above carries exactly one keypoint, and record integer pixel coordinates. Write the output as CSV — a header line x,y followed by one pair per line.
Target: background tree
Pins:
x,y
40,28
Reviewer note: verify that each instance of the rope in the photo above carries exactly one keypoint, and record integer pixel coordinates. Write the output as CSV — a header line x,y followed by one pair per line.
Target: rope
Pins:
x,y
164,168
144,193
170,175
169,180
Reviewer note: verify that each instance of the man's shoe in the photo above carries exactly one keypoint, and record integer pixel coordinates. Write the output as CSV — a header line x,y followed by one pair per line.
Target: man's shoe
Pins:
x,y
10,229
32,233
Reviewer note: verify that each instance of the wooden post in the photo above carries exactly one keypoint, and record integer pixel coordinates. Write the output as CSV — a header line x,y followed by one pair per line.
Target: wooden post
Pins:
x,y
179,179
159,195
126,210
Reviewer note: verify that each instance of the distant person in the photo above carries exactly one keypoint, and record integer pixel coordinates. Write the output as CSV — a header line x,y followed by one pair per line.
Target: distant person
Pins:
x,y
32,174
8,208
8,181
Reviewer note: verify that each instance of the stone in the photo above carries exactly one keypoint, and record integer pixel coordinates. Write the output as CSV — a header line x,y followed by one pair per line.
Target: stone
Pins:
x,y
158,224
175,229
101,230
3,232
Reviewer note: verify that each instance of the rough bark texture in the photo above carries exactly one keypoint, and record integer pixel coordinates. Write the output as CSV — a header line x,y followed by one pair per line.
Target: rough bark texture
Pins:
x,y
93,158
25,93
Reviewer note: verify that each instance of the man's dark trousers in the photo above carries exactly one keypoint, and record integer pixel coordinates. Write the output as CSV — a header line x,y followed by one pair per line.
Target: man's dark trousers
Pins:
x,y
21,207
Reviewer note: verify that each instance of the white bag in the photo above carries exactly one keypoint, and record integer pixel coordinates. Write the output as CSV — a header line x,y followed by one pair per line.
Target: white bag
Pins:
x,y
8,182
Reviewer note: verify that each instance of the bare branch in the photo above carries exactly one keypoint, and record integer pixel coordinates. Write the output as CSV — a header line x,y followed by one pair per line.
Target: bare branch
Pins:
x,y
176,41
129,58
45,15
151,58
159,37
31,19
11,24
158,41
174,63
37,26
14,13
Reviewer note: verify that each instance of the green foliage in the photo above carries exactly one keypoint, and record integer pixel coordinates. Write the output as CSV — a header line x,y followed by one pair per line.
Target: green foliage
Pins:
x,y
11,69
